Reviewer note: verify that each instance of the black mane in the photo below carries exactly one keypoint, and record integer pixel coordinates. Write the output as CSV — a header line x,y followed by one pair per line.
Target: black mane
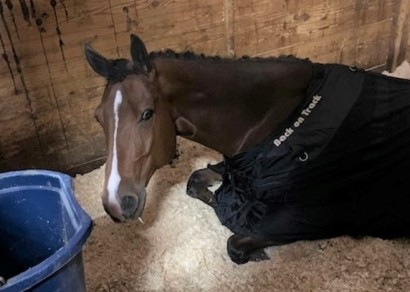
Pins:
x,y
189,55
121,68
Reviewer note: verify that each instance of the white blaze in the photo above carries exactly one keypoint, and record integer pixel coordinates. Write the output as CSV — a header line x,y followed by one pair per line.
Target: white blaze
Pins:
x,y
114,179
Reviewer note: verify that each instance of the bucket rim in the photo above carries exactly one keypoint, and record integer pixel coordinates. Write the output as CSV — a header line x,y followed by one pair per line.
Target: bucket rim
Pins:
x,y
46,268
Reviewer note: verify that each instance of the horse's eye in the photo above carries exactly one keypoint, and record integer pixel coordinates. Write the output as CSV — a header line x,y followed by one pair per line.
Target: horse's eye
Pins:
x,y
147,114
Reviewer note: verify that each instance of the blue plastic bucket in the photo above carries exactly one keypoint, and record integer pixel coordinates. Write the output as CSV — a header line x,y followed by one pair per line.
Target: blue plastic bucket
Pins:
x,y
42,231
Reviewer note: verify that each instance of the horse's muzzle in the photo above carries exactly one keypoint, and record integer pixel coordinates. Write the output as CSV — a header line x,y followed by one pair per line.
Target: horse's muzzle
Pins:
x,y
128,206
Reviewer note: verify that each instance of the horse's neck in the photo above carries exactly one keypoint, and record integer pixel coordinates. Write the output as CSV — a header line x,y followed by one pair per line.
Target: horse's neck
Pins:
x,y
231,106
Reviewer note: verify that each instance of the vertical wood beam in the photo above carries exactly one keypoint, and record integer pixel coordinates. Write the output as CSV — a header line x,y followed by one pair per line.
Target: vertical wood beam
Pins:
x,y
229,27
400,34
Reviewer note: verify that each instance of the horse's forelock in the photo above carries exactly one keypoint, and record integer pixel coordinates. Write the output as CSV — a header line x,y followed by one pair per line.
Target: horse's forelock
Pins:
x,y
120,69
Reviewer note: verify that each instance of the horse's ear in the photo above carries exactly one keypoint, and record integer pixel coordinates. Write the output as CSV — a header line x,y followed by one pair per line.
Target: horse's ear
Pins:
x,y
139,54
99,64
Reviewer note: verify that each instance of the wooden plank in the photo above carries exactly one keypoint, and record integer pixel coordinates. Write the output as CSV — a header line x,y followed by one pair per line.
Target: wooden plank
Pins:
x,y
400,34
313,29
357,50
408,49
229,27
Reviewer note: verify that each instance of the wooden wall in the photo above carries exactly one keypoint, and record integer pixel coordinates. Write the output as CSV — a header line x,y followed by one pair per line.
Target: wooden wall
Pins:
x,y
49,93
407,33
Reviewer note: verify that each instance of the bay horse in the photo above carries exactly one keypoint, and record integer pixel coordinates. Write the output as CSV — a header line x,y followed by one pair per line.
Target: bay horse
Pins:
x,y
310,150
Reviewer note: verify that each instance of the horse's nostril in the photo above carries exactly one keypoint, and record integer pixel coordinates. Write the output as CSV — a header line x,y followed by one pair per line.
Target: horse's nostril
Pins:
x,y
129,205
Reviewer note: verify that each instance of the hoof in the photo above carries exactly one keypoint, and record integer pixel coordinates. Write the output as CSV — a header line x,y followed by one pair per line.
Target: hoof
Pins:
x,y
238,258
242,251
2,281
259,256
237,255
203,195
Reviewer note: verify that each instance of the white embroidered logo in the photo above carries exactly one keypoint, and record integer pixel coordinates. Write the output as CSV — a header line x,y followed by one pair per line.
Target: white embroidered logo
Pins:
x,y
299,121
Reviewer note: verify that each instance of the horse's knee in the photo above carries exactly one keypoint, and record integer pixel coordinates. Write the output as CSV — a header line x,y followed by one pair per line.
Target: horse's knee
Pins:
x,y
195,178
204,177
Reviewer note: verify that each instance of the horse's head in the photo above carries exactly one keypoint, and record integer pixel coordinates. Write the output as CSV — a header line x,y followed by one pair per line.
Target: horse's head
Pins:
x,y
138,127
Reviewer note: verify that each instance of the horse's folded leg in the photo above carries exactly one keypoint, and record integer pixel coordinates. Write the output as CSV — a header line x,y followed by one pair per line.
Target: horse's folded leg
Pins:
x,y
243,249
199,182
